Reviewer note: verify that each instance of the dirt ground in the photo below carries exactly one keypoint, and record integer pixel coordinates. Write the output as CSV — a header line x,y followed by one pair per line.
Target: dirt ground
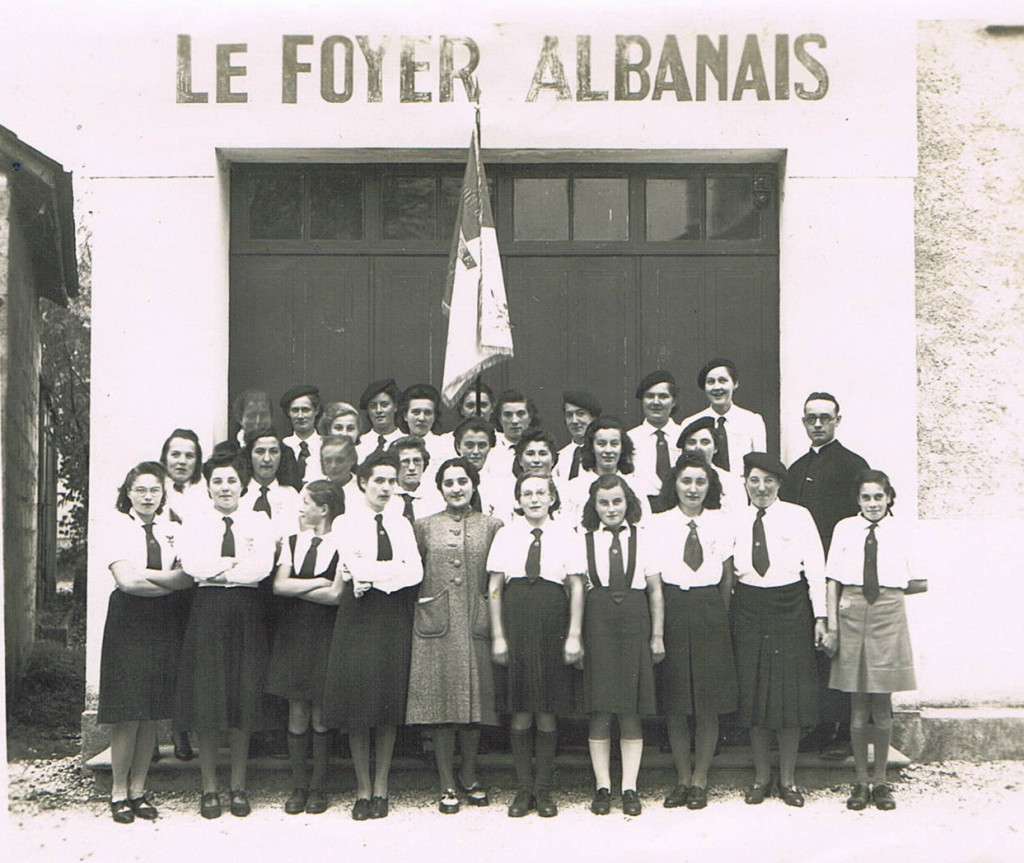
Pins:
x,y
954,812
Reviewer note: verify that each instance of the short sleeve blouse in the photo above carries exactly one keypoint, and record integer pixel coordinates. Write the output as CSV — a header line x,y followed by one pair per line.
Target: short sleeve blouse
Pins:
x,y
561,552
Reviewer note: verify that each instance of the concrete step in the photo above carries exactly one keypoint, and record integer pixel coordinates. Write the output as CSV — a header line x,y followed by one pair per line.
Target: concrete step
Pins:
x,y
732,767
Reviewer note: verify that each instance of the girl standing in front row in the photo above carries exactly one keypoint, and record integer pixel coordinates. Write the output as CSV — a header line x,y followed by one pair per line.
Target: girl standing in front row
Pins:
x,y
868,574
622,636
536,631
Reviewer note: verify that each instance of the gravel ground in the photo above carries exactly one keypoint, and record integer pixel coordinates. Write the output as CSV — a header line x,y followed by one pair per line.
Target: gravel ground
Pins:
x,y
954,811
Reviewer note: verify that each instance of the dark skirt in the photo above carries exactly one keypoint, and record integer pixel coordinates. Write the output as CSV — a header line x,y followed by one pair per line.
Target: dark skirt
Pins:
x,y
368,666
300,649
223,662
773,641
618,674
698,673
536,620
139,662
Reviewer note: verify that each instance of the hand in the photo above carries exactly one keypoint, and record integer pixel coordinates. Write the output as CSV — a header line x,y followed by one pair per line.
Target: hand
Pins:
x,y
820,629
657,648
830,643
360,587
573,649
499,650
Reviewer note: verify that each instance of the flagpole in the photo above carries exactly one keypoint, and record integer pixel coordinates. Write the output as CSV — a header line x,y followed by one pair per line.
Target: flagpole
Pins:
x,y
479,139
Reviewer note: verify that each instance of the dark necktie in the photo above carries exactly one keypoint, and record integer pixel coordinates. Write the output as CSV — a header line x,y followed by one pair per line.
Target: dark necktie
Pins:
x,y
154,560
227,544
574,470
871,565
533,556
661,464
308,568
721,456
616,568
383,540
303,458
693,554
407,506
179,487
382,442
262,503
759,552
475,503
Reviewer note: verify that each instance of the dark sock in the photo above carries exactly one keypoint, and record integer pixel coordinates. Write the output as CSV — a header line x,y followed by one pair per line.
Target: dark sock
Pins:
x,y
546,741
522,757
297,746
321,742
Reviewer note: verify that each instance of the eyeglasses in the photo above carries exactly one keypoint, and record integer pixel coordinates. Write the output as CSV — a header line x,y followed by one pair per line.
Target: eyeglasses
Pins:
x,y
812,419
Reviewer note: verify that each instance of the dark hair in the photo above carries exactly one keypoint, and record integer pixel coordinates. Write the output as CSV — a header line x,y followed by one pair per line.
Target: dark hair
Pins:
x,y
882,478
472,389
591,520
184,434
825,397
323,492
419,391
668,496
223,456
715,363
471,472
314,398
330,412
516,396
556,500
364,470
532,435
474,424
693,427
124,503
587,458
245,398
410,441
281,474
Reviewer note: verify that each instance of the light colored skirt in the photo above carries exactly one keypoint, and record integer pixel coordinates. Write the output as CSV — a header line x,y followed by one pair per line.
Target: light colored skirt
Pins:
x,y
874,643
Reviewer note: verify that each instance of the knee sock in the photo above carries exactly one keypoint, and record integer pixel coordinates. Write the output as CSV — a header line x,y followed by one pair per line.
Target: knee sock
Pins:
x,y
321,741
859,735
297,744
546,743
881,735
601,761
522,757
632,749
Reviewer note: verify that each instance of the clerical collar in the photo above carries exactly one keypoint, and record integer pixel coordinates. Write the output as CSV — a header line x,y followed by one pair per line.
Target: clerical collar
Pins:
x,y
817,449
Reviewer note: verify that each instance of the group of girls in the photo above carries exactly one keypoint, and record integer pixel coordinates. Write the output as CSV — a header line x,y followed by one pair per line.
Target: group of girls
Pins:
x,y
450,620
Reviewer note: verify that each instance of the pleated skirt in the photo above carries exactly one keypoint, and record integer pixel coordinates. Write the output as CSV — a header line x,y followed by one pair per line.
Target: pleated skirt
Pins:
x,y
773,642
300,650
618,675
874,643
698,673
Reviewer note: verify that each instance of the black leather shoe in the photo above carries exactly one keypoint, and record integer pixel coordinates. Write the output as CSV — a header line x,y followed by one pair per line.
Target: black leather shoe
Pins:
x,y
756,793
316,802
881,796
121,811
546,806
296,801
602,802
859,797
791,795
521,804
379,807
631,803
209,805
476,794
240,804
677,797
449,803
362,810
143,808
697,798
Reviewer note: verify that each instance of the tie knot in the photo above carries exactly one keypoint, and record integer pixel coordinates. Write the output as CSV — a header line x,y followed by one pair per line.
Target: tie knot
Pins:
x,y
315,541
721,421
263,490
381,440
692,524
615,530
379,518
660,434
871,527
304,448
228,520
760,512
148,527
179,487
536,533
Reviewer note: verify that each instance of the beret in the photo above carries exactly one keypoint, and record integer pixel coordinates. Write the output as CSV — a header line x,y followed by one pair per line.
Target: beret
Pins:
x,y
764,461
384,385
702,375
699,423
582,400
301,390
657,377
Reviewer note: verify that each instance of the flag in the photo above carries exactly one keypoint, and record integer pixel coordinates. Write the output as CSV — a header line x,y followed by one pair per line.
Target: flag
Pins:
x,y
479,330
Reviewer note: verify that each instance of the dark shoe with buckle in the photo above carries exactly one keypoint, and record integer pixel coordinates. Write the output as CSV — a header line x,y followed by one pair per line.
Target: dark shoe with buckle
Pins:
x,y
677,797
546,806
240,804
791,795
697,798
362,810
209,805
521,804
379,807
631,802
476,794
143,808
881,796
859,797
757,792
183,750
316,802
121,811
296,801
449,803
602,802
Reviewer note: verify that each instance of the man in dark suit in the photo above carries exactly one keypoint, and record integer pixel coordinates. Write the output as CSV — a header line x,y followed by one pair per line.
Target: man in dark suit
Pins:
x,y
822,480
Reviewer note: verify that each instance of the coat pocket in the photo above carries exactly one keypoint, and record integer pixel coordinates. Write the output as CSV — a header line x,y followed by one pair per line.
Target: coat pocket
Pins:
x,y
431,618
481,619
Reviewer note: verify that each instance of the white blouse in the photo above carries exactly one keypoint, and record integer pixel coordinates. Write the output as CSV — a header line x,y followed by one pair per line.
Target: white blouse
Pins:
x,y
647,565
717,534
895,549
325,552
254,547
124,538
357,541
561,553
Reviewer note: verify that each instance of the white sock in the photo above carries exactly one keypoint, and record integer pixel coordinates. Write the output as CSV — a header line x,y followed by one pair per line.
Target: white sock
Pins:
x,y
601,761
632,749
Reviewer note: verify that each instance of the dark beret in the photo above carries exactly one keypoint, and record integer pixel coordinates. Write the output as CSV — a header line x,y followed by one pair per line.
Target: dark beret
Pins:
x,y
702,375
699,423
582,400
421,391
293,393
658,377
384,385
764,461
